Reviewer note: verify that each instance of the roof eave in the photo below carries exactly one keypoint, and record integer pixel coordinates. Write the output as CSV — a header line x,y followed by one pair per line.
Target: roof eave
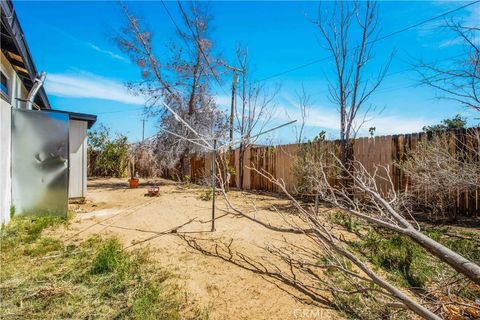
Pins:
x,y
89,118
12,24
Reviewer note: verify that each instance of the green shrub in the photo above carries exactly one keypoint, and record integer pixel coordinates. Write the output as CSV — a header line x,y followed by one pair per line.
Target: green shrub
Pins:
x,y
107,156
207,194
306,168
401,257
110,258
346,220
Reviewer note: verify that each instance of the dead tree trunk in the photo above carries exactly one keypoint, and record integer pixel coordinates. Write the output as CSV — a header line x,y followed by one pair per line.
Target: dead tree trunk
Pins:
x,y
241,161
406,300
325,239
456,261
386,216
450,257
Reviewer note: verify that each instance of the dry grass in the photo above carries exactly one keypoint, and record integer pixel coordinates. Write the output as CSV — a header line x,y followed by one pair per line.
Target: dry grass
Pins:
x,y
41,278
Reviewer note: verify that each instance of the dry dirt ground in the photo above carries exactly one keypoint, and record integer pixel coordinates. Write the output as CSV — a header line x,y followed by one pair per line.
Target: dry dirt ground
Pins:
x,y
226,290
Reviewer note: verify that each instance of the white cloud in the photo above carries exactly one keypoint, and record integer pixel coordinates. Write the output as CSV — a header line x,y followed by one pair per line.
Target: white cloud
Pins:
x,y
430,27
458,41
74,40
86,85
451,42
223,100
469,19
329,120
107,52
386,125
317,116
472,19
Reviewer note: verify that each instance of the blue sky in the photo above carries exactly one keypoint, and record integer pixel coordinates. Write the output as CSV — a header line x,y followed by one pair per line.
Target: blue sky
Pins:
x,y
72,42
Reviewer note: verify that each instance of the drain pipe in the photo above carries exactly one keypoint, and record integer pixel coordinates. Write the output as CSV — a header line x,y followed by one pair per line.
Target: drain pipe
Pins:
x,y
33,92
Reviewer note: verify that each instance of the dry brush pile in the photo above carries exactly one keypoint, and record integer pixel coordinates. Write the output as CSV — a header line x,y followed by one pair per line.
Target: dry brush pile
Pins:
x,y
442,168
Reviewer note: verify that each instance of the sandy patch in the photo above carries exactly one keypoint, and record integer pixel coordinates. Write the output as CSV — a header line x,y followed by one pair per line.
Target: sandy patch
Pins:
x,y
229,291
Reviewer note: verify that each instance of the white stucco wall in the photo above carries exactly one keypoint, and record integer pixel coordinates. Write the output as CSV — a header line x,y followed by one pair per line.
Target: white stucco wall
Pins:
x,y
78,159
16,90
5,160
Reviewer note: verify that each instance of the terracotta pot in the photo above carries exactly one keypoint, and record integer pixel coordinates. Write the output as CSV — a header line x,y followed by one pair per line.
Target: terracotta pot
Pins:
x,y
133,183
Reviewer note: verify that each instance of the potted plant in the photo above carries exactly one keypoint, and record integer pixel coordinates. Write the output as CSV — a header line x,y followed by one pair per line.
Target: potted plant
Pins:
x,y
133,181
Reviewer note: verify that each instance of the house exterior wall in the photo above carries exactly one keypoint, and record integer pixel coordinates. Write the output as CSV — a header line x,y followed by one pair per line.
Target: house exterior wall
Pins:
x,y
5,161
15,85
78,159
16,90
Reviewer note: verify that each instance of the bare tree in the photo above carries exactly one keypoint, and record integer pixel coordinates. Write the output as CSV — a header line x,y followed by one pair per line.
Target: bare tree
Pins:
x,y
460,80
257,109
350,92
181,79
304,104
350,30
147,163
200,65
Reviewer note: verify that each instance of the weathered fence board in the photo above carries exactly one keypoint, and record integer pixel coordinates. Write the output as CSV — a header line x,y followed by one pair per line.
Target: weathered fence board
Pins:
x,y
371,152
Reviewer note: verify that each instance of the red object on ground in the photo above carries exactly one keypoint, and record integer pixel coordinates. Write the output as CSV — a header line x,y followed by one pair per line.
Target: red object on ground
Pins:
x,y
153,191
133,183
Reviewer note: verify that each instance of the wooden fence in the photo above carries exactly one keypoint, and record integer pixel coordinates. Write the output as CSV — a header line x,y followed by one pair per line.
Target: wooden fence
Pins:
x,y
371,152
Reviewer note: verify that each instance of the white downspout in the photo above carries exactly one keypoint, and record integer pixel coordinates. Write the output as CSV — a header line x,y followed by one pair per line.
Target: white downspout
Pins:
x,y
33,92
